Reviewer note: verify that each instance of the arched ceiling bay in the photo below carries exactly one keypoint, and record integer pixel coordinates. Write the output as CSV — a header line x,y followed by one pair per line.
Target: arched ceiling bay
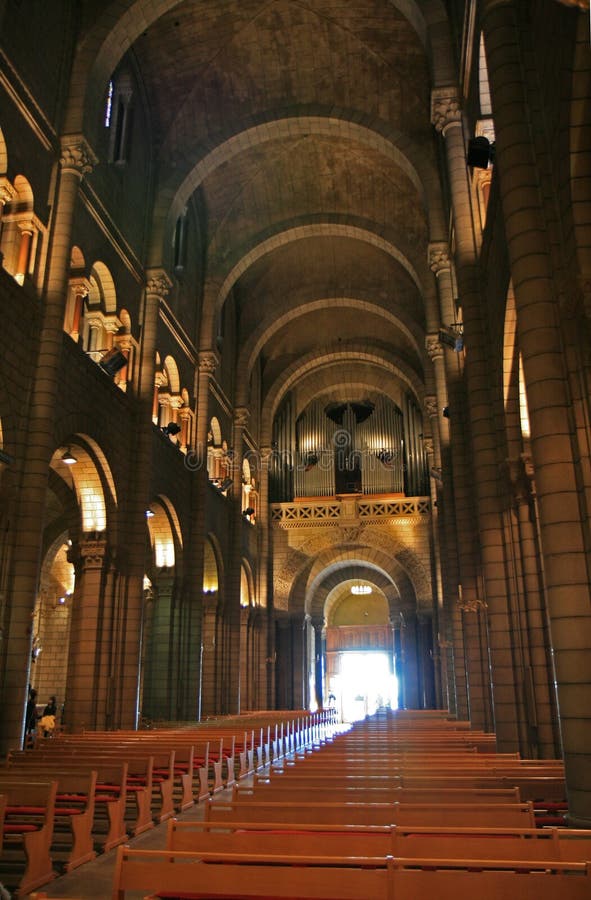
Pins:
x,y
300,130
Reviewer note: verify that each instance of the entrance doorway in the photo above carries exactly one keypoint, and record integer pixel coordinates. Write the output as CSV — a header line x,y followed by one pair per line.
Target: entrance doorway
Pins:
x,y
364,683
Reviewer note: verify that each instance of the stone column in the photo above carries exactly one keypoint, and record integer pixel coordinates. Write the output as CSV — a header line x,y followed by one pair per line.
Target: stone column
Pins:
x,y
447,120
234,575
265,575
209,702
319,649
552,441
540,713
87,685
27,230
127,701
76,160
80,287
159,690
205,609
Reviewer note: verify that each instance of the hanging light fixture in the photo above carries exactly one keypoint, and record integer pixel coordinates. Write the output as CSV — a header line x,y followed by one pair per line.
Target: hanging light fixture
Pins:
x,y
68,457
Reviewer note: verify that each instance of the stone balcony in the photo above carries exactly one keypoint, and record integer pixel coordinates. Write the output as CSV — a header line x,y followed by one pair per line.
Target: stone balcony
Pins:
x,y
348,509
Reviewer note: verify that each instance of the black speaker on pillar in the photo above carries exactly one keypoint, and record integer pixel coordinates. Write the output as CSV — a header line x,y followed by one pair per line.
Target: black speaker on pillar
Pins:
x,y
113,361
480,152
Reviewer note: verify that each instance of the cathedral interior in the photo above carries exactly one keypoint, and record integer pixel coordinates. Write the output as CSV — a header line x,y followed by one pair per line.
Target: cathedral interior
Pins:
x,y
295,371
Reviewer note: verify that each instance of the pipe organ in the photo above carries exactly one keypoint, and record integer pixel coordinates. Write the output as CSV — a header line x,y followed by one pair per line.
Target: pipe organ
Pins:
x,y
369,447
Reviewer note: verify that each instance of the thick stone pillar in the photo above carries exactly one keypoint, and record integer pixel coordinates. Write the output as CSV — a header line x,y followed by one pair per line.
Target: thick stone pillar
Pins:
x,y
210,646
265,579
159,689
136,538
552,440
447,119
232,617
319,653
88,663
76,161
541,712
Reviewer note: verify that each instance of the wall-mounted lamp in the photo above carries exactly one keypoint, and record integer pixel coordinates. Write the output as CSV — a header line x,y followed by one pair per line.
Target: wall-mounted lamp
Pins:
x,y
150,513
480,153
445,412
68,457
170,429
113,361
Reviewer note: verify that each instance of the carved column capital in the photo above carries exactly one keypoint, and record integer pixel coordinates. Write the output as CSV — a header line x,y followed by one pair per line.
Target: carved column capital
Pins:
x,y
439,258
429,446
445,108
7,191
208,362
80,286
430,406
92,552
241,416
158,282
77,156
433,347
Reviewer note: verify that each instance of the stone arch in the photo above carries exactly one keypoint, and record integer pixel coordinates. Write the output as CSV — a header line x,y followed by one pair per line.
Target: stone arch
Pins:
x,y
3,155
107,41
90,478
163,532
272,324
212,559
172,374
294,585
102,292
247,596
331,357
302,232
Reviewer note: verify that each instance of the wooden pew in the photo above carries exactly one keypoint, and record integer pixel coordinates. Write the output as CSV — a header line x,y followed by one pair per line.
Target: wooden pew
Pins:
x,y
274,877
108,827
447,814
456,879
249,875
397,840
73,813
139,786
25,862
291,792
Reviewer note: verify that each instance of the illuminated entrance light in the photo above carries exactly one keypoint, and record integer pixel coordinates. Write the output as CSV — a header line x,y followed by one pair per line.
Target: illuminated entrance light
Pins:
x,y
361,589
366,682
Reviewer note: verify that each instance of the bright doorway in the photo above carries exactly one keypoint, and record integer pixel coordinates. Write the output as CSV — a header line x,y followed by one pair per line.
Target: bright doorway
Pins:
x,y
365,683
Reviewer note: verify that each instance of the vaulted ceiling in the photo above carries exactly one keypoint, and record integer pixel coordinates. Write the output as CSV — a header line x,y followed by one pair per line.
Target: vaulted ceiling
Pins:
x,y
301,129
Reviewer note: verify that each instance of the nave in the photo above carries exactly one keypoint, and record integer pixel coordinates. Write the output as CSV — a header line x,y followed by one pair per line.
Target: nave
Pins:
x,y
403,804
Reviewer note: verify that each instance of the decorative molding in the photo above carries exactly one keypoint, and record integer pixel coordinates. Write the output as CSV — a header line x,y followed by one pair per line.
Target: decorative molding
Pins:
x,y
330,512
445,108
